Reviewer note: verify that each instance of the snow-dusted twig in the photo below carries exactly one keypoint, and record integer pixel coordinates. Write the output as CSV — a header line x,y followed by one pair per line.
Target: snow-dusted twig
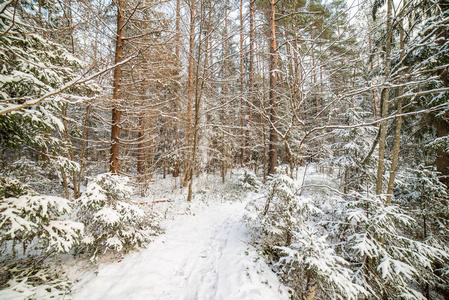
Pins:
x,y
79,80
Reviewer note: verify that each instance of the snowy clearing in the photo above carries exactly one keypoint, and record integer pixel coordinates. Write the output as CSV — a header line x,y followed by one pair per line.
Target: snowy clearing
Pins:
x,y
204,254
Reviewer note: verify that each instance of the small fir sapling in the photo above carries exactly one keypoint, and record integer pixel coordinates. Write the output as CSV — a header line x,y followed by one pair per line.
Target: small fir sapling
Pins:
x,y
31,278
32,227
39,223
299,254
313,268
423,194
343,247
385,260
248,180
426,198
31,66
350,150
112,222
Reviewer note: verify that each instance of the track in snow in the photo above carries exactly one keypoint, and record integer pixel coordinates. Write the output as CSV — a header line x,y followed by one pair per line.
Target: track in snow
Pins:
x,y
202,256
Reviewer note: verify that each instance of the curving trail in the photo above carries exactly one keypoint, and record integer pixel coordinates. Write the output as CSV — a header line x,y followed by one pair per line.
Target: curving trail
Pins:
x,y
204,255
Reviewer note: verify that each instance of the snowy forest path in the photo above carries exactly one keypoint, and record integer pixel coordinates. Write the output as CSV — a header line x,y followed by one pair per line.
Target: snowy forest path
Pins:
x,y
203,255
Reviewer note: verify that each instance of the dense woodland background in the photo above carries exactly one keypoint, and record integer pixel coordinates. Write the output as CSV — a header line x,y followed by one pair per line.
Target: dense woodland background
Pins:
x,y
150,89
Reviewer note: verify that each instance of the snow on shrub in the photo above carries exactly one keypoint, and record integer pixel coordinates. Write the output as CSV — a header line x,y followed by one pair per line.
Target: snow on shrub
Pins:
x,y
299,255
30,278
313,267
38,221
390,262
248,180
112,222
11,187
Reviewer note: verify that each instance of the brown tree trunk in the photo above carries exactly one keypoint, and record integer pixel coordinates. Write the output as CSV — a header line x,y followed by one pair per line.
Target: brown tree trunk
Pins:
x,y
397,146
251,73
225,97
242,88
141,149
117,93
195,145
273,144
175,163
190,95
178,27
198,95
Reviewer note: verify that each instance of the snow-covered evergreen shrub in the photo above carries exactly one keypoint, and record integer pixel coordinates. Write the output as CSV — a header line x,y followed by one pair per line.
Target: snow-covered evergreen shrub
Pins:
x,y
422,193
350,147
313,268
299,254
38,221
283,211
30,278
41,177
248,180
112,222
337,246
11,187
31,66
424,196
386,261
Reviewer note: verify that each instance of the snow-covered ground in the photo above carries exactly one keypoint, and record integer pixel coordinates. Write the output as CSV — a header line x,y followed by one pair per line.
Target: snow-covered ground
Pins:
x,y
203,254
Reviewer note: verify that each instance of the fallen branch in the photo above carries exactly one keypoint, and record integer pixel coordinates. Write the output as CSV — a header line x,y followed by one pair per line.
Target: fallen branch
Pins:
x,y
155,201
162,200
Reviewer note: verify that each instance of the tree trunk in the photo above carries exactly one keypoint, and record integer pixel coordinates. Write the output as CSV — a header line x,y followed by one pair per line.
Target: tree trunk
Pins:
x,y
141,149
397,137
190,94
117,93
251,76
273,143
442,157
242,89
225,99
83,151
178,28
385,102
397,145
195,144
198,96
376,114
71,156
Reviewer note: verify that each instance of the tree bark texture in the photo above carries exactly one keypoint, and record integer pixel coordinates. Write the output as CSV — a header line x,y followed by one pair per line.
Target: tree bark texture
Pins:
x,y
190,95
251,74
242,88
117,93
225,99
273,143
